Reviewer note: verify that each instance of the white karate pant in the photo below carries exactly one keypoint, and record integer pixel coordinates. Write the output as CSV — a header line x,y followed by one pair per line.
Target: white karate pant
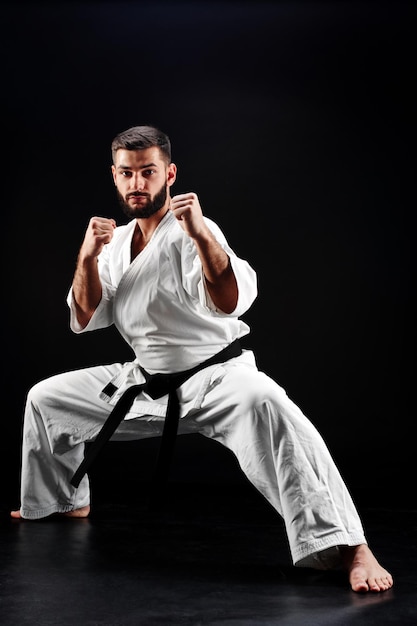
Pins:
x,y
277,447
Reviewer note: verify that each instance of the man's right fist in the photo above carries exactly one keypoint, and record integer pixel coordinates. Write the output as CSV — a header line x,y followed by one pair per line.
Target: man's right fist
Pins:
x,y
98,233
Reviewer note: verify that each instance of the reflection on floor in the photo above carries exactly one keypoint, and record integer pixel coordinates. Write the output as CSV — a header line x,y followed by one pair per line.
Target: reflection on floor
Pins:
x,y
210,557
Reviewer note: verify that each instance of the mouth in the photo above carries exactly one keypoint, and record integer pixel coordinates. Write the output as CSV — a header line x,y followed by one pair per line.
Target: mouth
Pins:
x,y
137,196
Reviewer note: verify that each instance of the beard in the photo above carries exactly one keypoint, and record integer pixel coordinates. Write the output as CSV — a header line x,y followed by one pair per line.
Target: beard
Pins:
x,y
152,206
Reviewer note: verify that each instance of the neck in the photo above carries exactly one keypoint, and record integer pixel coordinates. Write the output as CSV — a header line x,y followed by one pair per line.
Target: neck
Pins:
x,y
147,225
144,230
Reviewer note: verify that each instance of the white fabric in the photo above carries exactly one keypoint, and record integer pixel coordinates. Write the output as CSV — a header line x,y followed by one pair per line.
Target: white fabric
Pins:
x,y
173,324
234,403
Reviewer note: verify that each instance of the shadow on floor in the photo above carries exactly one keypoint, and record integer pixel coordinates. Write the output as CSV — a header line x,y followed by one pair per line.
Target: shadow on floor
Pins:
x,y
210,557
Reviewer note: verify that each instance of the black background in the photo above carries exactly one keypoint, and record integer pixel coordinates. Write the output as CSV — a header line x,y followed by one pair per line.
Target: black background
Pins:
x,y
294,122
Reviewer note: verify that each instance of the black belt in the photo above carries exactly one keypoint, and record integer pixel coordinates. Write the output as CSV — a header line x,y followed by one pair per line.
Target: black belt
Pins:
x,y
155,385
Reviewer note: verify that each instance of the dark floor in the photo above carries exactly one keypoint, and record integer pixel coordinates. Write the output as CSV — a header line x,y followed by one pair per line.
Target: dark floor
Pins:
x,y
211,557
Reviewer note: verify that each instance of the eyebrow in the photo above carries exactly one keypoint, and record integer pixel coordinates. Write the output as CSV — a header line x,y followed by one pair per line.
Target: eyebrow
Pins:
x,y
142,167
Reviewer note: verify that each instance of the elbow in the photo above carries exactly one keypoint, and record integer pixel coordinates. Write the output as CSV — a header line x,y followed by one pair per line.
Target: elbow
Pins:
x,y
83,319
225,299
229,304
83,315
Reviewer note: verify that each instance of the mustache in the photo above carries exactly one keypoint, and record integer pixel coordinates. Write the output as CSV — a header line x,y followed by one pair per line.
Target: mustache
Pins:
x,y
137,194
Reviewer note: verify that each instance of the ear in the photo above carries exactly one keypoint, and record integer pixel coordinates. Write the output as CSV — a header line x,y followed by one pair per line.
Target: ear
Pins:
x,y
113,171
171,174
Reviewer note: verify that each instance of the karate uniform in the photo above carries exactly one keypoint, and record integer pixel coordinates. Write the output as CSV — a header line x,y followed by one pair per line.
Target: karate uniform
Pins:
x,y
160,305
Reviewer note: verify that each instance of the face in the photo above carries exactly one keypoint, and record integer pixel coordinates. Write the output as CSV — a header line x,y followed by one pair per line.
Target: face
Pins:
x,y
142,179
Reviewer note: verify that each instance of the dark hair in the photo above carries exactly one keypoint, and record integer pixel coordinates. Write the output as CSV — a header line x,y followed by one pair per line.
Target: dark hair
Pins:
x,y
141,137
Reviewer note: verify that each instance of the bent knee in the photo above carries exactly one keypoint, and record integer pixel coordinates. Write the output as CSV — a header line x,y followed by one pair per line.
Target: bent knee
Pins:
x,y
42,391
36,393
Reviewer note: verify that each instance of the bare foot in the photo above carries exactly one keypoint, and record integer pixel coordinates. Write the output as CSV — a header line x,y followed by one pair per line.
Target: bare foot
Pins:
x,y
365,573
77,513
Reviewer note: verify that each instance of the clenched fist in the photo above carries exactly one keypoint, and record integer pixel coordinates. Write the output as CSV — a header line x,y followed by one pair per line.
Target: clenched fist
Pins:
x,y
98,233
186,208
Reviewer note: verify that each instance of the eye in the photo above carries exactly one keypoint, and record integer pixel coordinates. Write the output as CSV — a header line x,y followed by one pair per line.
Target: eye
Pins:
x,y
149,172
126,174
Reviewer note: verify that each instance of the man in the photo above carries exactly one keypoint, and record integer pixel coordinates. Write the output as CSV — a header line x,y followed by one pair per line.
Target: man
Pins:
x,y
176,291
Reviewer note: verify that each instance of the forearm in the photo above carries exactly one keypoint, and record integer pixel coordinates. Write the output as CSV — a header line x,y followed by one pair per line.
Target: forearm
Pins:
x,y
220,279
86,285
86,289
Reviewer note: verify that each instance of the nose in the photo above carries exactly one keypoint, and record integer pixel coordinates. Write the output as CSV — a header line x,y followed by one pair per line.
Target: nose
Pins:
x,y
137,182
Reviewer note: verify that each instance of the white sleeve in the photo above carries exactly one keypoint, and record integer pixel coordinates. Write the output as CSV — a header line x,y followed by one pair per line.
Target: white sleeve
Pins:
x,y
103,315
101,318
245,277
